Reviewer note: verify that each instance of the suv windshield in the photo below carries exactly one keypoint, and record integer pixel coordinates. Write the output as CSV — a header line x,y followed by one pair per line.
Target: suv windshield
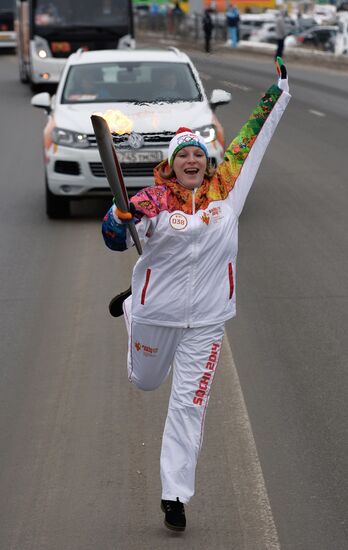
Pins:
x,y
142,82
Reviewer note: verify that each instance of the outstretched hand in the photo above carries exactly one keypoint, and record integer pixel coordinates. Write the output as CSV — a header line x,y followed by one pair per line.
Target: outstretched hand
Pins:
x,y
281,69
283,75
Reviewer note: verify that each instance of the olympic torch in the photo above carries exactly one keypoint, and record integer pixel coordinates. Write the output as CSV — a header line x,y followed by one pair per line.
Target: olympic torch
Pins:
x,y
113,171
115,179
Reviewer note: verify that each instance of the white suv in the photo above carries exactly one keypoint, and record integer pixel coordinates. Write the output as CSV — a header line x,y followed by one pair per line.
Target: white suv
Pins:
x,y
150,92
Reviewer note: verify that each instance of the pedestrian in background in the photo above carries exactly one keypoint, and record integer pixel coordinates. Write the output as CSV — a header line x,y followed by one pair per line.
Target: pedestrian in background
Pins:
x,y
183,284
208,27
280,34
178,16
154,12
232,19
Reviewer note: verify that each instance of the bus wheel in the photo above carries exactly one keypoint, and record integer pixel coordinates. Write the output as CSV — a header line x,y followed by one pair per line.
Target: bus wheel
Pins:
x,y
56,207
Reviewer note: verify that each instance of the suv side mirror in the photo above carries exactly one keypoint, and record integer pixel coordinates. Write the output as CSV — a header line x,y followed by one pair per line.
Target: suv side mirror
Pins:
x,y
43,101
219,97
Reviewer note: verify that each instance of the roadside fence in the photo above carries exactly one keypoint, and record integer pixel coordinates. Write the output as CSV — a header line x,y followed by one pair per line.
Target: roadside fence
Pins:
x,y
180,25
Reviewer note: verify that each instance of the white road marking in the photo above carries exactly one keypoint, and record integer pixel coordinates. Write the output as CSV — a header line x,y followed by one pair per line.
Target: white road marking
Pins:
x,y
243,463
237,86
316,113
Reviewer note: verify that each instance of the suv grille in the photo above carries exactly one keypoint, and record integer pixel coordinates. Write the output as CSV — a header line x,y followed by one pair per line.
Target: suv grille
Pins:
x,y
130,169
151,139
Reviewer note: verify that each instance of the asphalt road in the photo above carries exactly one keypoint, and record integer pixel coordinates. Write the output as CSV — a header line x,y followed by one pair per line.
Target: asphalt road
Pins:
x,y
79,446
289,339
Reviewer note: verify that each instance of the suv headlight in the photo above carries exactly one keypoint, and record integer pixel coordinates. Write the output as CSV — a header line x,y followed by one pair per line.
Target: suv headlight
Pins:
x,y
42,48
208,133
69,138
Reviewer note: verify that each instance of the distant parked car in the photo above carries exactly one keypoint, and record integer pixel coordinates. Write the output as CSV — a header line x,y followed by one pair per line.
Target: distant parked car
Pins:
x,y
324,14
267,32
321,37
250,22
305,22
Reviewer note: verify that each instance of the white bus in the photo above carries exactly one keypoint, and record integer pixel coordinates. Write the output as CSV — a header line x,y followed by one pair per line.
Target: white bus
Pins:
x,y
49,31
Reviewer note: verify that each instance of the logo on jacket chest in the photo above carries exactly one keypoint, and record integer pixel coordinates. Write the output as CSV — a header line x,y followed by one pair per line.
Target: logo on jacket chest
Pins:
x,y
213,215
178,221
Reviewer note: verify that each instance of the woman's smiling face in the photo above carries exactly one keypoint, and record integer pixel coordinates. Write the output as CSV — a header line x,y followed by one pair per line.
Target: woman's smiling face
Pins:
x,y
189,165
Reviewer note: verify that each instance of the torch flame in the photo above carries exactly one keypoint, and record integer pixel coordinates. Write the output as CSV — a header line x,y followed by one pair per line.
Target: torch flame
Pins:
x,y
118,122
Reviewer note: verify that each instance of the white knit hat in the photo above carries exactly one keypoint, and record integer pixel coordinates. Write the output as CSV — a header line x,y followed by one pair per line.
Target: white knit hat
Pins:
x,y
185,137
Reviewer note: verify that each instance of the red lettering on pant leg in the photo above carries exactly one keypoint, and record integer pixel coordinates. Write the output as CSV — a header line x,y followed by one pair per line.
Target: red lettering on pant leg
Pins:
x,y
204,381
203,385
198,400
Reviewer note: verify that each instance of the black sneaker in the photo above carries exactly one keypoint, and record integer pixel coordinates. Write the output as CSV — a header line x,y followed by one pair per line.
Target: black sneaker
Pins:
x,y
115,306
175,518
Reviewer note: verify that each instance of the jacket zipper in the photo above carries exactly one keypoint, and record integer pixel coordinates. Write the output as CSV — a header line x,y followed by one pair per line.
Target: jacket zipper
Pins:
x,y
192,270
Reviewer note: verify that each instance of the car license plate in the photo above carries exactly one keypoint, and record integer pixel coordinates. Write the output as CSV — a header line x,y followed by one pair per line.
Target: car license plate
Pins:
x,y
139,156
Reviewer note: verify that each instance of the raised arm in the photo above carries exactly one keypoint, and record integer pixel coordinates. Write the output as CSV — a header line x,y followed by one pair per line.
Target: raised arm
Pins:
x,y
244,154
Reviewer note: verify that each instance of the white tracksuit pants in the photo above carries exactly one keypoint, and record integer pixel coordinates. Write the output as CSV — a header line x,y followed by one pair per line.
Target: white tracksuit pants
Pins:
x,y
194,355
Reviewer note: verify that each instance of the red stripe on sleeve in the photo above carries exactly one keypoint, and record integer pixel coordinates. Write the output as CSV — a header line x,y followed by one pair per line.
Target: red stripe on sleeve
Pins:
x,y
230,277
147,280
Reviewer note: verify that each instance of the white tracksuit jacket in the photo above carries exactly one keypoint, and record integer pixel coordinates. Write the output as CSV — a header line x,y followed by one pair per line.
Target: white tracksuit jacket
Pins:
x,y
186,274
